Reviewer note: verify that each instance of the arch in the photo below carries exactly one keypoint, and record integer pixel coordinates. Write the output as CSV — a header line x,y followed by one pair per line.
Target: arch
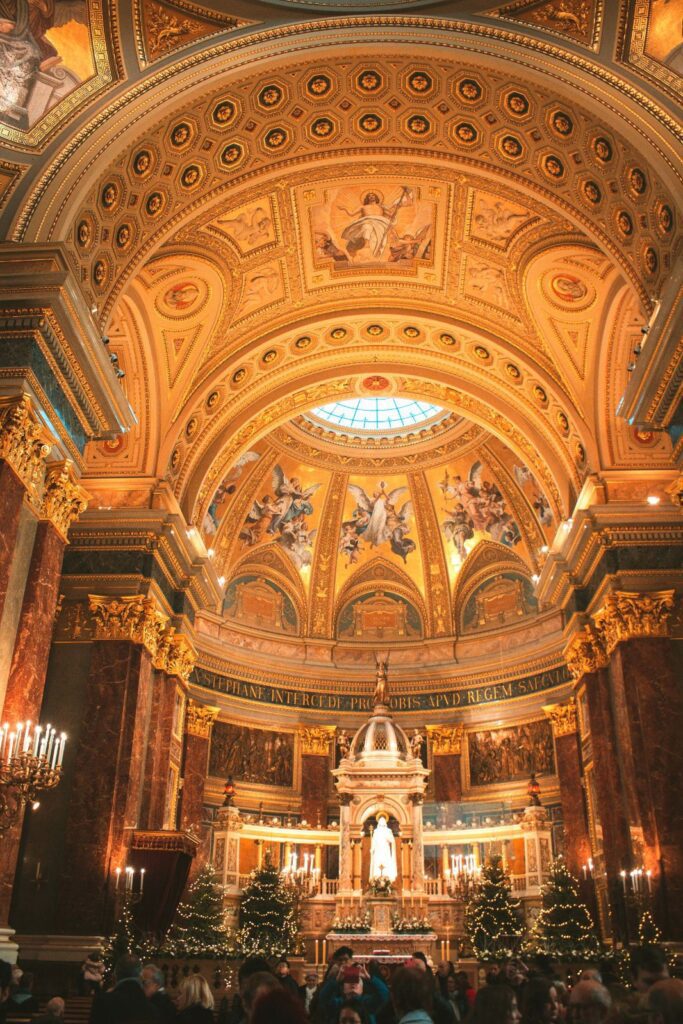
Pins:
x,y
372,805
488,558
271,562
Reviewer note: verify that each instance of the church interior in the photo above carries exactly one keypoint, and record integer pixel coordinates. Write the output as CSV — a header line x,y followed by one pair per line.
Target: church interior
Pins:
x,y
341,396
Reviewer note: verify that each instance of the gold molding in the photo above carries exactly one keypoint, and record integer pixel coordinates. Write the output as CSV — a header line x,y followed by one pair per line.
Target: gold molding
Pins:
x,y
24,443
675,491
133,618
446,739
317,739
563,718
64,500
627,615
175,655
199,719
585,652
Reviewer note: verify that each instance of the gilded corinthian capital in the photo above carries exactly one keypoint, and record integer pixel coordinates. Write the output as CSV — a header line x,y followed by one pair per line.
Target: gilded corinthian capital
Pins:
x,y
585,652
24,443
134,618
317,739
199,719
63,498
562,717
175,655
446,739
626,615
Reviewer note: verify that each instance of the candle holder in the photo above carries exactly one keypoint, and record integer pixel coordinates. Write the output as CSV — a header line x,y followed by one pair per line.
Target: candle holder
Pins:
x,y
128,888
463,878
30,763
304,878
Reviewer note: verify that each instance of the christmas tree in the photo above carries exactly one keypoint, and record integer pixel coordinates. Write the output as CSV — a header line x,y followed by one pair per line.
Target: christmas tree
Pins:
x,y
198,928
564,927
268,915
648,932
125,940
492,917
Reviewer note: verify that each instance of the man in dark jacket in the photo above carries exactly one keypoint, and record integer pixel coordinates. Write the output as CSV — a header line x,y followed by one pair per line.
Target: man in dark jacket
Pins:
x,y
153,985
127,1002
286,979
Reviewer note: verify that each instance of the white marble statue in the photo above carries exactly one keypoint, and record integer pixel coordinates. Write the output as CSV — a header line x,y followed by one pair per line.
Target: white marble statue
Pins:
x,y
383,852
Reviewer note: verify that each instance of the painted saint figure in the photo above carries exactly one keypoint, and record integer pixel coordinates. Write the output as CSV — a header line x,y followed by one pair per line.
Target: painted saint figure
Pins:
x,y
373,222
383,852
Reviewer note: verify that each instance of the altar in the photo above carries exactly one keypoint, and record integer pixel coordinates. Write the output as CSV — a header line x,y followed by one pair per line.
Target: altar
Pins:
x,y
387,947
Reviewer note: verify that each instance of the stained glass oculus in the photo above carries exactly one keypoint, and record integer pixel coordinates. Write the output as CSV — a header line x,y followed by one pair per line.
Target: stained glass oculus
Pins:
x,y
377,415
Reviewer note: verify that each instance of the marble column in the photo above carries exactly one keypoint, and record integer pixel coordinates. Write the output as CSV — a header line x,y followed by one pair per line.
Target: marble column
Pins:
x,y
315,771
357,865
199,719
446,749
63,501
345,866
577,846
418,865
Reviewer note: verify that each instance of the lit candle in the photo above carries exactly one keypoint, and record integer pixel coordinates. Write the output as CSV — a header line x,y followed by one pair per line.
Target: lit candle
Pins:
x,y
623,879
50,742
62,743
648,875
585,872
317,951
27,738
324,951
118,877
36,739
142,880
590,866
10,746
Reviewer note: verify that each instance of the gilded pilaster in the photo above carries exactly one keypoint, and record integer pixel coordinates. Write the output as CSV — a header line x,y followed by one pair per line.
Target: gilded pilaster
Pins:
x,y
199,719
563,719
321,600
627,615
446,739
437,586
317,740
585,652
175,655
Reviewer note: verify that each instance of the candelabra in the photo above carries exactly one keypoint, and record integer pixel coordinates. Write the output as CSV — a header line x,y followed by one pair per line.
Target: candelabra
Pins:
x,y
126,892
305,878
30,762
463,877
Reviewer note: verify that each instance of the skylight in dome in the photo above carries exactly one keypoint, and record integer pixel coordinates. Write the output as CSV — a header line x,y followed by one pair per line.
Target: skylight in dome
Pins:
x,y
377,415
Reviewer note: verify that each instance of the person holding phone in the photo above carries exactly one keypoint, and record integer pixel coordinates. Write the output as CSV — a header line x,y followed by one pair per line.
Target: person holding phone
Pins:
x,y
352,984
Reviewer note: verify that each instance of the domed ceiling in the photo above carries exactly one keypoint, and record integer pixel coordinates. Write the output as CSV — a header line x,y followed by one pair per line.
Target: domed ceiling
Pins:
x,y
377,533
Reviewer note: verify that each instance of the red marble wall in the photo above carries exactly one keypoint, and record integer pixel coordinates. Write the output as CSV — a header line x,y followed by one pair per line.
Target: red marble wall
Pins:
x,y
576,835
650,733
607,772
26,681
195,770
11,498
315,780
107,793
447,778
158,752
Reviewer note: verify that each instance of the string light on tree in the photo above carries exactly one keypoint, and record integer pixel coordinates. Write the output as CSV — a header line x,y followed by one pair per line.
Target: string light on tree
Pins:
x,y
492,918
269,923
564,928
199,925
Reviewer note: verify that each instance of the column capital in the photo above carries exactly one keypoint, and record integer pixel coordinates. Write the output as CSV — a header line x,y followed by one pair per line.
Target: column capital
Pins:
x,y
562,717
317,739
135,618
446,739
585,652
64,500
24,443
175,655
199,719
627,615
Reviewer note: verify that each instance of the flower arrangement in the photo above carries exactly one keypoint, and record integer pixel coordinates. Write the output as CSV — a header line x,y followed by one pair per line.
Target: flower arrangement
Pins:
x,y
380,885
350,924
410,925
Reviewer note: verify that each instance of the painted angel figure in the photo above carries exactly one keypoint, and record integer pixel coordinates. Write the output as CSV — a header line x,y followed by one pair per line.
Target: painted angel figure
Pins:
x,y
297,540
379,519
292,500
458,528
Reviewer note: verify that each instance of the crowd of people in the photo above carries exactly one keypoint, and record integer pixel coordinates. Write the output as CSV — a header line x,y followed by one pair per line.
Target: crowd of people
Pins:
x,y
371,992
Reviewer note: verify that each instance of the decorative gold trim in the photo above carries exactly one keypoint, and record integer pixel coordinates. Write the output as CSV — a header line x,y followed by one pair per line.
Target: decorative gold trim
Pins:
x,y
64,500
675,491
585,652
199,719
134,618
317,740
563,718
24,444
446,739
174,842
175,655
627,615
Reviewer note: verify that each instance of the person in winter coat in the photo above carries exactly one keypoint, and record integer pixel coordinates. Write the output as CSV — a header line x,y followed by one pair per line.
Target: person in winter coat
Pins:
x,y
92,974
412,993
352,983
194,1001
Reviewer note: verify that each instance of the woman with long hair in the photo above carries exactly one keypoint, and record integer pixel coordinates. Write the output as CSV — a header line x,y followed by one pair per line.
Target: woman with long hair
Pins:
x,y
194,1001
495,1004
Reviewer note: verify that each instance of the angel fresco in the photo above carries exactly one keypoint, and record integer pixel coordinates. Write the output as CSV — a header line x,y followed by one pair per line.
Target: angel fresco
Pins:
x,y
476,504
32,76
376,520
282,516
529,484
227,488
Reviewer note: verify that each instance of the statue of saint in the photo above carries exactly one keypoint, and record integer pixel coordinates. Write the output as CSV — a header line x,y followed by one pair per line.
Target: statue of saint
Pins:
x,y
383,852
343,743
381,695
534,789
416,743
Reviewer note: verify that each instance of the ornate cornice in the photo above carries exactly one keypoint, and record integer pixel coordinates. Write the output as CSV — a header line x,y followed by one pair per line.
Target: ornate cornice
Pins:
x,y
134,618
24,443
64,500
675,491
199,719
446,739
585,653
562,717
317,740
173,842
627,615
